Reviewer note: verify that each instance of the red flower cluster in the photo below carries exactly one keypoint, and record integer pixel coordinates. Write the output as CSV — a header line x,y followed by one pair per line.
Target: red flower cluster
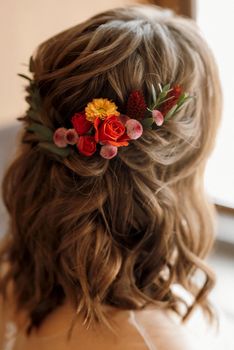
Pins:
x,y
111,133
101,123
136,106
174,95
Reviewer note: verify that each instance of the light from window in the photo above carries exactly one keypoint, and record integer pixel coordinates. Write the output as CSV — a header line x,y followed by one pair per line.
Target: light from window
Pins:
x,y
216,21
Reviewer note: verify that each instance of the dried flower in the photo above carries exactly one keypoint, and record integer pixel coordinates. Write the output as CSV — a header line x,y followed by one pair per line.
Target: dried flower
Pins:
x,y
172,98
136,106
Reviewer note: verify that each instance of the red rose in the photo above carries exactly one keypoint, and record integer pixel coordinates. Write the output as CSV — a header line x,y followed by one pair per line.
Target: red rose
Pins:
x,y
86,145
111,131
80,123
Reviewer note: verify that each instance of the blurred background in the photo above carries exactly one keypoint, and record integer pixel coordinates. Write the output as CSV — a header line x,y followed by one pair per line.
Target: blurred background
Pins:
x,y
26,23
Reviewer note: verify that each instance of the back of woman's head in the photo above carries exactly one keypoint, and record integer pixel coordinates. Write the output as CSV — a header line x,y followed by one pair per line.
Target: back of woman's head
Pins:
x,y
121,231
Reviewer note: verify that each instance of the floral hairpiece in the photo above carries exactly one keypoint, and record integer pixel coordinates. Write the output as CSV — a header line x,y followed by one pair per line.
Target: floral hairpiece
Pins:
x,y
101,125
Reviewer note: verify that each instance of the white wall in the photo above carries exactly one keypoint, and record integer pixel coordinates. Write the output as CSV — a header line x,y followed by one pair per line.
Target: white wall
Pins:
x,y
217,25
23,25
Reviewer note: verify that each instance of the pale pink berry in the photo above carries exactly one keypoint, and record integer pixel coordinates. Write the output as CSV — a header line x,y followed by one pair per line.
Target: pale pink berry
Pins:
x,y
108,151
71,136
157,117
134,128
60,138
123,118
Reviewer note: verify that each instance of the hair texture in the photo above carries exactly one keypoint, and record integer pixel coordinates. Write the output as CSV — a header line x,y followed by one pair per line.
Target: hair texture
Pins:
x,y
119,232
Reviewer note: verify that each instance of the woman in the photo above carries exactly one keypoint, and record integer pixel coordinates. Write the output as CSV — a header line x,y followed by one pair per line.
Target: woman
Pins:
x,y
108,216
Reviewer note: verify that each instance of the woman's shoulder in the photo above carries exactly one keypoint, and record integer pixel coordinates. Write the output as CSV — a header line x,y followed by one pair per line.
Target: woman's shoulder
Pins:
x,y
163,329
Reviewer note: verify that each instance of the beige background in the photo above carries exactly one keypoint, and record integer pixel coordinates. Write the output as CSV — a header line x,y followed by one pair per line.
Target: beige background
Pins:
x,y
26,23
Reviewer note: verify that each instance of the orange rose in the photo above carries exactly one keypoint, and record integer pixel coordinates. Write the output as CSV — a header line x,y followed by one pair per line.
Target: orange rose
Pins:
x,y
110,131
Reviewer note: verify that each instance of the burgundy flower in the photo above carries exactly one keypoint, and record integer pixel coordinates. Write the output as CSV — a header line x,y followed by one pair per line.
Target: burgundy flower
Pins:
x,y
80,123
175,95
136,106
86,145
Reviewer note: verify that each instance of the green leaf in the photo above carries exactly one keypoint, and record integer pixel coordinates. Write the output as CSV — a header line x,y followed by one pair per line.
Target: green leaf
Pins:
x,y
36,99
24,76
33,115
31,65
148,113
166,88
63,152
147,122
154,95
170,113
185,98
181,99
164,100
44,133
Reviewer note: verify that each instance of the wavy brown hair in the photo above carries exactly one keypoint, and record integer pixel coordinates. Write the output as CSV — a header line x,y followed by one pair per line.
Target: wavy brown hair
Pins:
x,y
124,231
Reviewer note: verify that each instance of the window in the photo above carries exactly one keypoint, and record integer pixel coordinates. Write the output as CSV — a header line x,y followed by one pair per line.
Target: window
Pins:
x,y
217,27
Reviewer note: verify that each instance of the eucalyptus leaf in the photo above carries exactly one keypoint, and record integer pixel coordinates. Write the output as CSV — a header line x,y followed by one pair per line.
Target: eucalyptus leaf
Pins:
x,y
44,133
63,152
147,122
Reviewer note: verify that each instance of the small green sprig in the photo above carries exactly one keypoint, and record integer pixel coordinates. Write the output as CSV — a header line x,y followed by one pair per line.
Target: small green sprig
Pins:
x,y
44,134
158,101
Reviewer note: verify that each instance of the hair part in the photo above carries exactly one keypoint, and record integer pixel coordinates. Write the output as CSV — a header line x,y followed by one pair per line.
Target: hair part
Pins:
x,y
119,232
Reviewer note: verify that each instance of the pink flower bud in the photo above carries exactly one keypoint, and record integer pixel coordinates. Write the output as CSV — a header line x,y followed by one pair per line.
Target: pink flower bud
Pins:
x,y
60,138
108,151
157,117
71,136
123,118
134,128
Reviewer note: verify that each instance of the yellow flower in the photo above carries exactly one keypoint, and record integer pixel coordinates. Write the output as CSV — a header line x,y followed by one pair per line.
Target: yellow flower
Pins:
x,y
100,107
